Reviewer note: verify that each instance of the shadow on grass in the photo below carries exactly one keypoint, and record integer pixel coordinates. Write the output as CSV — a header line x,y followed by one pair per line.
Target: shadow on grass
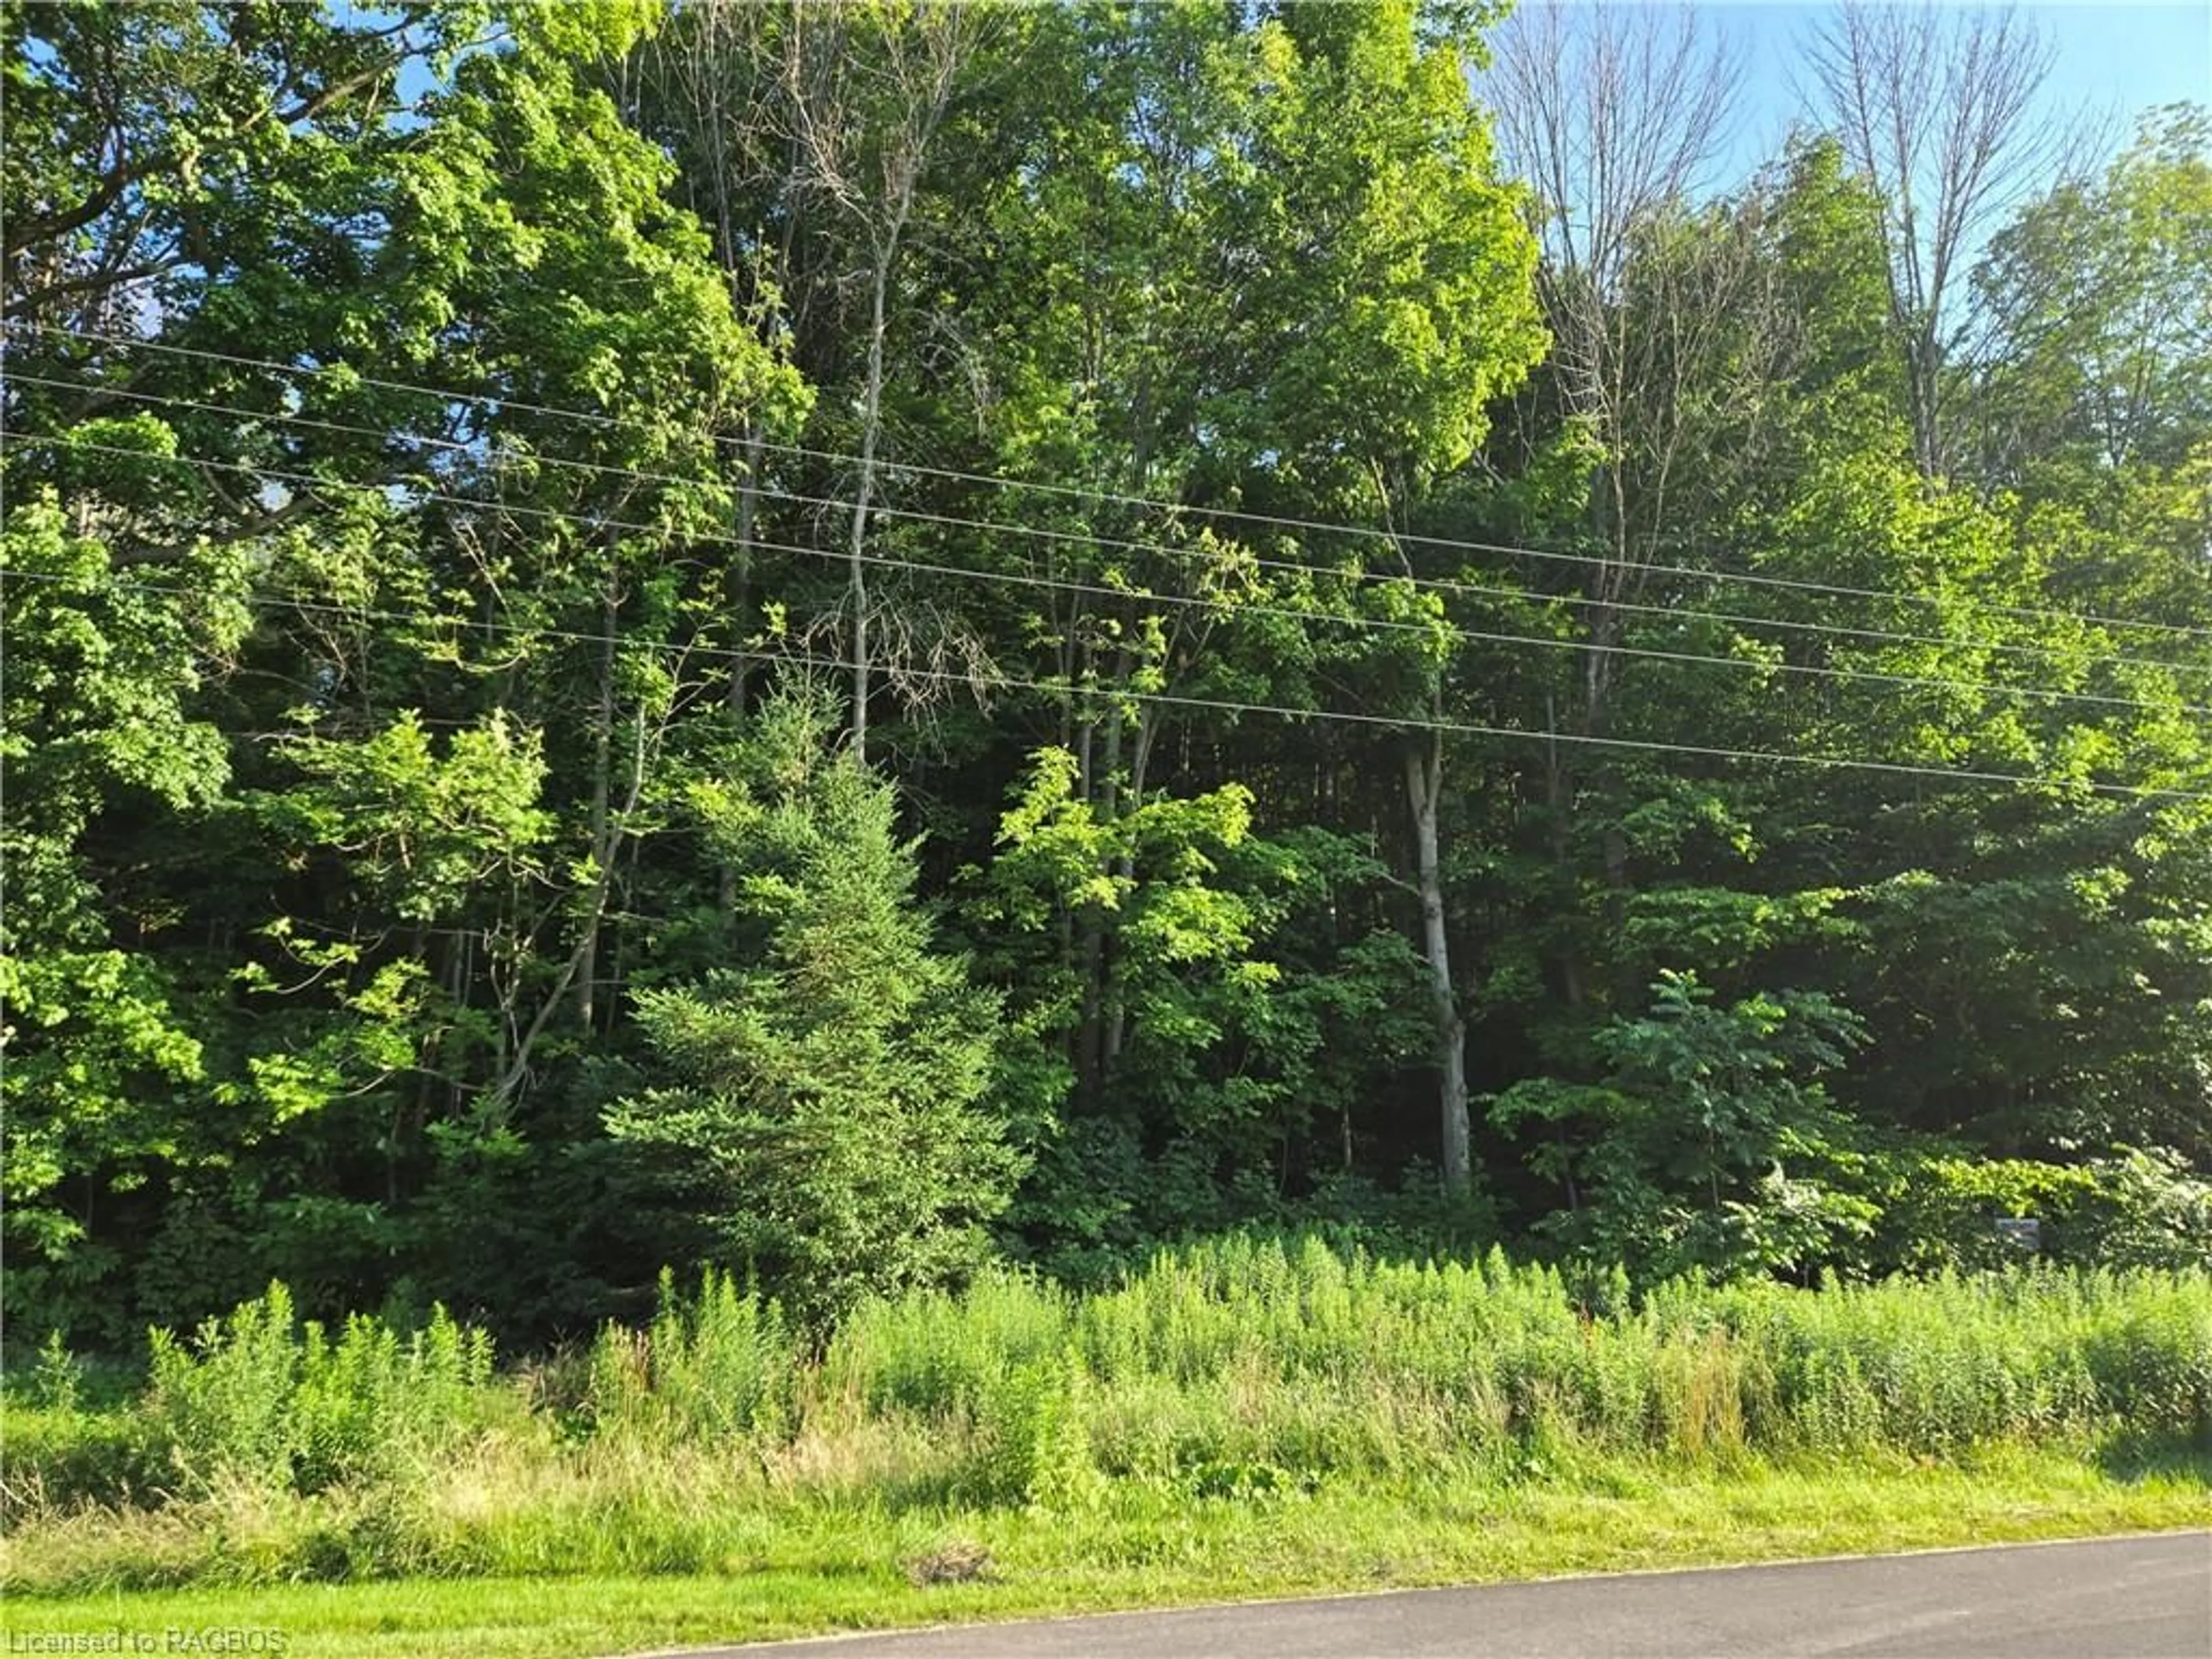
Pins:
x,y
2135,1456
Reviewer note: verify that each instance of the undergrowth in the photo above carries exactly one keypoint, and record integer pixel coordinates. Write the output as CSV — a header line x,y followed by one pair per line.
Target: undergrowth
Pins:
x,y
1238,1373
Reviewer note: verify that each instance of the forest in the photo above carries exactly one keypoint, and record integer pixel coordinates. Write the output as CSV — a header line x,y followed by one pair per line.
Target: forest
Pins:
x,y
866,642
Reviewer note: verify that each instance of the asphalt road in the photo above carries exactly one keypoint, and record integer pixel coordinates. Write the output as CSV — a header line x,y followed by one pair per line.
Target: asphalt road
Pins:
x,y
2132,1598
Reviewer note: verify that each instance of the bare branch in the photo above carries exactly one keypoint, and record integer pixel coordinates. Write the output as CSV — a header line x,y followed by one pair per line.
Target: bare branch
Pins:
x,y
1616,114
1934,107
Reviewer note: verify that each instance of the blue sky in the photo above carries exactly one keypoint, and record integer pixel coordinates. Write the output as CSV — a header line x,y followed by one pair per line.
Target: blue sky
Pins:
x,y
2116,58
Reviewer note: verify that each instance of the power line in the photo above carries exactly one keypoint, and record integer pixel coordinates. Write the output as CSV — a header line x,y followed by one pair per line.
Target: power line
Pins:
x,y
717,537
1395,539
1189,554
993,681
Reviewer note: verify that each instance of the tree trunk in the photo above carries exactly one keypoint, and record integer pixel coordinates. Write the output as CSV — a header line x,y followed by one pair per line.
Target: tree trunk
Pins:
x,y
1125,867
603,733
1423,784
749,489
863,490
741,604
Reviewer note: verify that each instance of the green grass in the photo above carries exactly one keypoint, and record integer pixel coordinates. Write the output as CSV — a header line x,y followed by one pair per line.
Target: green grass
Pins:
x,y
1238,1420
821,1567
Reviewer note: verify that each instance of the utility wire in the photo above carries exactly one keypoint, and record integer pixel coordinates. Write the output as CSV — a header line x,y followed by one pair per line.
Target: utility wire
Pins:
x,y
720,538
1395,539
992,681
1189,554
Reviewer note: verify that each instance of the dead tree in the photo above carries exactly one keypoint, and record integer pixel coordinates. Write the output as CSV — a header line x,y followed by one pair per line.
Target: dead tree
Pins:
x,y
1933,108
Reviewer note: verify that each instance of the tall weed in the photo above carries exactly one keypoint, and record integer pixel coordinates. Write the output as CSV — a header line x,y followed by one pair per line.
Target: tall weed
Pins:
x,y
259,1401
1237,1371
720,1368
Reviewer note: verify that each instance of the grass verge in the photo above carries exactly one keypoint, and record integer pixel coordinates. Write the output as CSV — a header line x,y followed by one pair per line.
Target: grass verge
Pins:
x,y
827,1566
1238,1419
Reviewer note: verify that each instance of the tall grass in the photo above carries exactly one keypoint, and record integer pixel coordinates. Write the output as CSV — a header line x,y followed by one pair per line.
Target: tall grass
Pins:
x,y
1238,1371
263,1401
720,1367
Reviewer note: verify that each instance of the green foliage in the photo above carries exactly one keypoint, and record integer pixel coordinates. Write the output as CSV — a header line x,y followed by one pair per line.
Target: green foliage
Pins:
x,y
1240,1016
1683,1150
423,830
833,1097
2099,295
2135,1206
2151,1210
261,1400
1346,1364
423,885
60,1449
716,1368
1253,1375
102,1046
1943,1211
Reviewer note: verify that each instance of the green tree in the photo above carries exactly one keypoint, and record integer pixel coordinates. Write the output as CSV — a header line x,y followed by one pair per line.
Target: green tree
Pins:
x,y
1253,1008
2097,304
831,1095
1284,276
471,615
1691,1137
103,1052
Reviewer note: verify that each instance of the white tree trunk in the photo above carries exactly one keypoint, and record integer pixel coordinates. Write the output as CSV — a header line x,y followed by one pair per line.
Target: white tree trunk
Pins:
x,y
1423,784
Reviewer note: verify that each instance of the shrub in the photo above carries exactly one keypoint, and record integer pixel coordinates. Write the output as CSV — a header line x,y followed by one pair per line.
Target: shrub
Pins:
x,y
259,1400
2133,1207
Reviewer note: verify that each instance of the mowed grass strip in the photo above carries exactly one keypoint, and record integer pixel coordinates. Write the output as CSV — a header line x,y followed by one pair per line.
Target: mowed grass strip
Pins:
x,y
832,1567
